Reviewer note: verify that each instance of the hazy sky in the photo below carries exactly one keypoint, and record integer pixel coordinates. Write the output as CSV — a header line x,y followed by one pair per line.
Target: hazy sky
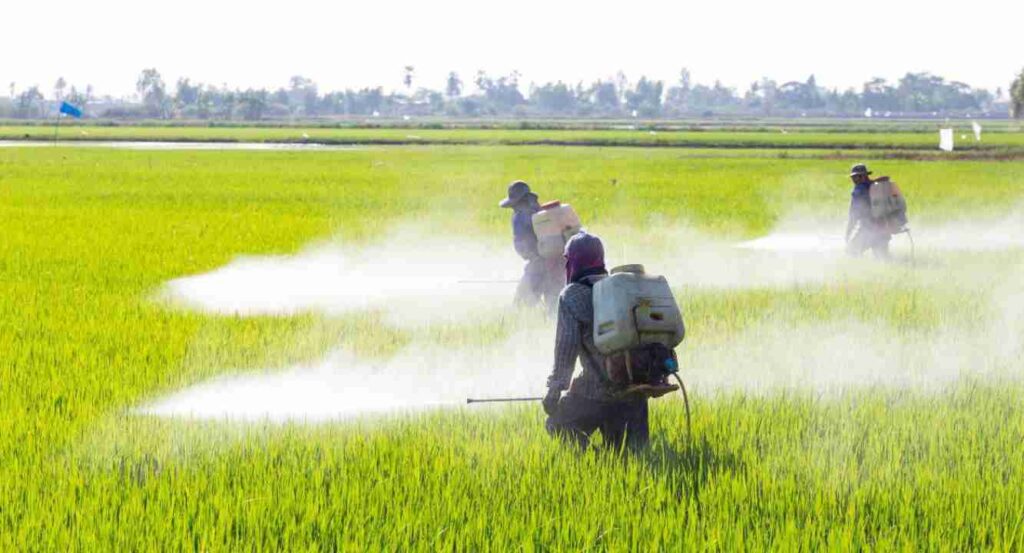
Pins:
x,y
346,44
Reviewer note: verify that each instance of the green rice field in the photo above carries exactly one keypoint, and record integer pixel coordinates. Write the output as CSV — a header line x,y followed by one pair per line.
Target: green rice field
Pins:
x,y
1000,136
820,458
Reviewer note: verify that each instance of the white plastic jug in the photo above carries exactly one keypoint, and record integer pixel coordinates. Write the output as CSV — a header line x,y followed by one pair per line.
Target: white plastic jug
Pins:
x,y
632,308
554,224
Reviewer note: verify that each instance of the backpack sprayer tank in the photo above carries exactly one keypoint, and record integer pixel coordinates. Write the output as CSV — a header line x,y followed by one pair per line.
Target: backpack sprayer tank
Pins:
x,y
888,206
637,323
554,224
889,209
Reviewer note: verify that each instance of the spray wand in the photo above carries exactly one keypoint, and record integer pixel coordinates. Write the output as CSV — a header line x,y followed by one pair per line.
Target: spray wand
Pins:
x,y
502,399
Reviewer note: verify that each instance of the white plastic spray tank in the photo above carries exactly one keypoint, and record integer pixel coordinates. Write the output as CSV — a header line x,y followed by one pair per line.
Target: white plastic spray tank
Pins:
x,y
632,309
554,224
888,204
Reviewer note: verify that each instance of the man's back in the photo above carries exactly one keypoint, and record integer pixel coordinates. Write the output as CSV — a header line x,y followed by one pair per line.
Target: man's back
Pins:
x,y
575,338
523,237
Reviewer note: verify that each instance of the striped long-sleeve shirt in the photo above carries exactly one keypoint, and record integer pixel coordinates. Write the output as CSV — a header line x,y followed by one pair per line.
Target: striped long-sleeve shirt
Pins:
x,y
574,338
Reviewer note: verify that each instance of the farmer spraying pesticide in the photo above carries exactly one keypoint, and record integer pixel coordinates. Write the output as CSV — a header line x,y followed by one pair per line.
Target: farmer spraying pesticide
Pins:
x,y
878,210
622,328
539,233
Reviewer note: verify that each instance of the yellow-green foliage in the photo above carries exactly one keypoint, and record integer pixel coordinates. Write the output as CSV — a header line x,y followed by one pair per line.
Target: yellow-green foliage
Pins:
x,y
87,236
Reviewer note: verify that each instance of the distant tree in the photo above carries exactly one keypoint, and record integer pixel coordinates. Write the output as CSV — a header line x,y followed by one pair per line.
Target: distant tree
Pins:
x,y
605,97
363,102
878,95
186,94
812,94
1017,96
280,96
678,97
752,98
846,102
204,104
705,99
470,107
77,98
621,86
433,98
769,94
298,82
29,103
502,94
453,87
407,77
685,79
303,96
222,102
252,103
58,89
645,98
151,88
554,98
800,95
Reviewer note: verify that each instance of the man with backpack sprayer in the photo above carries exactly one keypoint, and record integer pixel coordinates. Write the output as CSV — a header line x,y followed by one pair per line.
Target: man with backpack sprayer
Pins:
x,y
878,210
542,277
611,393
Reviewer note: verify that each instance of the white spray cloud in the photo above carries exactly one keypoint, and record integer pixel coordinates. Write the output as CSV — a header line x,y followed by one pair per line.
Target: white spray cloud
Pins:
x,y
416,281
795,236
422,376
413,281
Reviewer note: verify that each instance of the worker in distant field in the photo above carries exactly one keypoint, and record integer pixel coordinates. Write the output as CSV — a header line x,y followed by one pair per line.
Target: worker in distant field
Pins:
x,y
864,232
590,403
542,278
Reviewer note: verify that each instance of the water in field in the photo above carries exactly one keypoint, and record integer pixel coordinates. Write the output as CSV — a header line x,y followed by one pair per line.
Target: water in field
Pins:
x,y
150,145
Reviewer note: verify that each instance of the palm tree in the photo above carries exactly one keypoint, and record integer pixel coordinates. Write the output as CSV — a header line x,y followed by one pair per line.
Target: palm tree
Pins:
x,y
58,88
1017,96
407,79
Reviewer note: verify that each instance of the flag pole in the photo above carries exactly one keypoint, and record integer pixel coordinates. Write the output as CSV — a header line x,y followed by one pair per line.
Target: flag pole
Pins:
x,y
56,127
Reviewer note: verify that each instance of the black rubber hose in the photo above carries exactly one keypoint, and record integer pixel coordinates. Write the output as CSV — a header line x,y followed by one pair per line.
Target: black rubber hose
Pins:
x,y
686,402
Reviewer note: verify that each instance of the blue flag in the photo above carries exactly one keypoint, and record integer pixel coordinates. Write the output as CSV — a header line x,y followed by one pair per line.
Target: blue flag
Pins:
x,y
71,110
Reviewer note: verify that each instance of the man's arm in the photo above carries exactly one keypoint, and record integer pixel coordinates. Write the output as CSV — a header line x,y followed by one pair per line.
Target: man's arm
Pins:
x,y
851,221
567,347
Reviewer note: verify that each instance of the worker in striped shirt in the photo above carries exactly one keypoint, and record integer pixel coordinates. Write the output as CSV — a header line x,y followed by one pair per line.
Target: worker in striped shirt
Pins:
x,y
590,403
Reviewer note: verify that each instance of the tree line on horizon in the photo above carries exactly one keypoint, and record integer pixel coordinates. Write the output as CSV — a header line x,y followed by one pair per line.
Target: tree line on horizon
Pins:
x,y
503,96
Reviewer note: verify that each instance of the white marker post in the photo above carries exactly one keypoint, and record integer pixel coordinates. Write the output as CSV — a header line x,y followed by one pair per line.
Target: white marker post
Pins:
x,y
946,140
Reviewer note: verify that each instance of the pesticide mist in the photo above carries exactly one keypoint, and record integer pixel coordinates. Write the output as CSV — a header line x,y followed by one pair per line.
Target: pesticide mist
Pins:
x,y
415,283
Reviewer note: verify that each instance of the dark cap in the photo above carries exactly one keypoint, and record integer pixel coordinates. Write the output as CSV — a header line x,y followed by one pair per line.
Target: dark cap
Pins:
x,y
516,192
859,169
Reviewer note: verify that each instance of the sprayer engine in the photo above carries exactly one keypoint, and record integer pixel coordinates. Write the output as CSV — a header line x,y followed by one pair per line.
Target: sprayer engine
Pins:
x,y
643,370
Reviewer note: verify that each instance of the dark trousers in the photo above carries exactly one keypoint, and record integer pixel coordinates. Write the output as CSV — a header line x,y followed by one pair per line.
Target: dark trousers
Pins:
x,y
620,422
543,279
866,238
